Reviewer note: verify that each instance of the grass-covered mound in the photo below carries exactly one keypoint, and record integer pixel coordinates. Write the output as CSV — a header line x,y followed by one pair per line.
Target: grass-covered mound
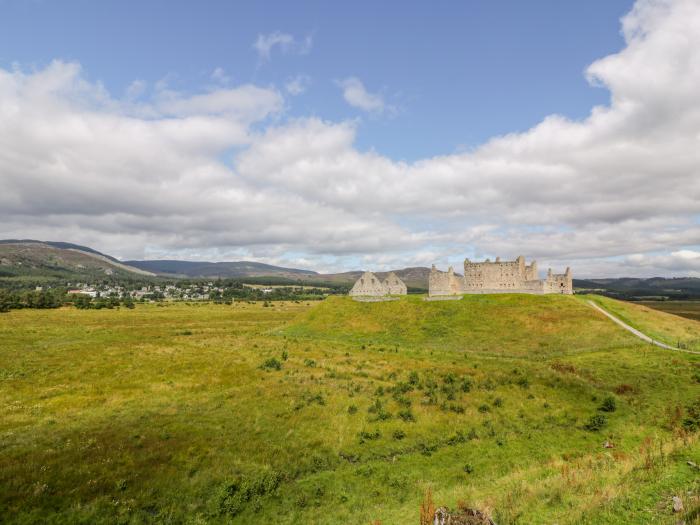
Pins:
x,y
504,325
340,413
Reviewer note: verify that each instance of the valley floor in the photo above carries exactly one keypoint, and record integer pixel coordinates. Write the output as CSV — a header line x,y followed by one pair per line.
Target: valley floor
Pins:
x,y
343,412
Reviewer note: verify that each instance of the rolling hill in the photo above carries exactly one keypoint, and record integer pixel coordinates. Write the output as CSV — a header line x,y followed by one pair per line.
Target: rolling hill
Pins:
x,y
193,269
37,260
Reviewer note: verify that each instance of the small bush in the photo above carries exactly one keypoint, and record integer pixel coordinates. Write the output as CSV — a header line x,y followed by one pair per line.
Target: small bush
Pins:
x,y
271,364
285,355
235,495
608,405
596,423
523,382
413,378
466,384
398,435
352,409
498,402
407,416
484,408
468,468
310,363
691,421
368,436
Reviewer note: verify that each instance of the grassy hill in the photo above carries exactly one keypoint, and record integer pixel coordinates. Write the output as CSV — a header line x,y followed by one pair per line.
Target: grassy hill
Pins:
x,y
234,269
345,412
35,261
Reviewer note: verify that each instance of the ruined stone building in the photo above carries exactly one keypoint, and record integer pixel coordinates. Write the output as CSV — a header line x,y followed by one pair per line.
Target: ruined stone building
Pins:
x,y
369,285
498,277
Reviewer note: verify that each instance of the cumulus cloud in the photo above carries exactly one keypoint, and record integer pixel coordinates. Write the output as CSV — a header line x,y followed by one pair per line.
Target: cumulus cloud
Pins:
x,y
297,85
285,42
219,75
357,96
224,173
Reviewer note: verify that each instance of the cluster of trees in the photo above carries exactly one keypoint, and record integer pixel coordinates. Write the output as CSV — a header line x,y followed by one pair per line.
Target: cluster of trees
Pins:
x,y
85,302
16,299
54,297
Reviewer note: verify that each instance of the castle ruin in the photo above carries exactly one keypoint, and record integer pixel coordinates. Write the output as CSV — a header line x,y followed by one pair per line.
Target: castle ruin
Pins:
x,y
369,285
498,277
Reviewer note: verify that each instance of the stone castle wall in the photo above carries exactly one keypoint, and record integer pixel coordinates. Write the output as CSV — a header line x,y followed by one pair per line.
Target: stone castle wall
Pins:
x,y
498,277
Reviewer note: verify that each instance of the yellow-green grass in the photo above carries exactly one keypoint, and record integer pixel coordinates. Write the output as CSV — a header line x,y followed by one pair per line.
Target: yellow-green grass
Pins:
x,y
147,415
687,309
662,326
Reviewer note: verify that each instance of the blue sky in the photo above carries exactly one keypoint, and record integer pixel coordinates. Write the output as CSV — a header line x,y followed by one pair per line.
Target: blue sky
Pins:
x,y
457,73
375,135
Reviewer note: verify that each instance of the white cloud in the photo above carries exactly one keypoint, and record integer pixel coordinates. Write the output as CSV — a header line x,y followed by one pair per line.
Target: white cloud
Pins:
x,y
135,90
297,85
219,75
357,96
286,43
615,193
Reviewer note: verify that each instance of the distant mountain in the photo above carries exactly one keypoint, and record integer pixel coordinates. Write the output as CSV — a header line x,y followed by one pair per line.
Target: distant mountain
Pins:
x,y
213,270
30,259
639,288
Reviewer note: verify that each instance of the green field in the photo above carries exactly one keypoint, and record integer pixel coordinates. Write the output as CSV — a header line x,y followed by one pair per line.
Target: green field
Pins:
x,y
688,309
343,412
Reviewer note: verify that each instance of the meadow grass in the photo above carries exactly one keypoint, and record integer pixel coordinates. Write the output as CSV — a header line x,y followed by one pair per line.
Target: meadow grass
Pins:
x,y
662,326
340,412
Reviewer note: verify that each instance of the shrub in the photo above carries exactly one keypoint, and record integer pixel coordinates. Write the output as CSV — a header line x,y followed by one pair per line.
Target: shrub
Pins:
x,y
466,384
498,402
484,408
233,496
368,436
468,468
352,409
285,355
271,364
407,416
596,423
413,378
691,422
608,405
449,379
402,401
523,382
398,435
310,363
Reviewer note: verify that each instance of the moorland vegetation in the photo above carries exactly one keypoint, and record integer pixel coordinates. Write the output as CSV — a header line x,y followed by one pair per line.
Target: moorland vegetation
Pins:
x,y
535,409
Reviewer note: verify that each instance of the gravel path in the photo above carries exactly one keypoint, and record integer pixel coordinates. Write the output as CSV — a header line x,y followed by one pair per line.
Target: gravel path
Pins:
x,y
639,334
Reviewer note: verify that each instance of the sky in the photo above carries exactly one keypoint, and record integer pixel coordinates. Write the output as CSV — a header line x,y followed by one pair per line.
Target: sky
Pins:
x,y
363,135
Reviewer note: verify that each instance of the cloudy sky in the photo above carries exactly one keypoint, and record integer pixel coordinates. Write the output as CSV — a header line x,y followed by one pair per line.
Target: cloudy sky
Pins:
x,y
362,136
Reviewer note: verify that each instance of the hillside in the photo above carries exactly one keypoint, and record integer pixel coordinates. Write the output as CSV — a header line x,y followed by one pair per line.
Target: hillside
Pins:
x,y
37,260
346,412
234,269
512,325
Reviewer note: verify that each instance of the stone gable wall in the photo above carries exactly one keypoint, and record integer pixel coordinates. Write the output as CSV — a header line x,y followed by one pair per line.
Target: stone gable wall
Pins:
x,y
369,285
